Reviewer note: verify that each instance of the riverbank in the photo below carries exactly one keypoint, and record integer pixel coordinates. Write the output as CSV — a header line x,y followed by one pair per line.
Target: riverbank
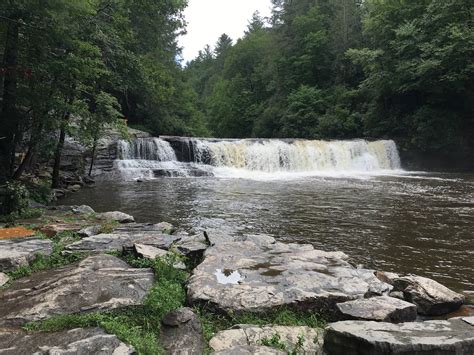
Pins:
x,y
82,271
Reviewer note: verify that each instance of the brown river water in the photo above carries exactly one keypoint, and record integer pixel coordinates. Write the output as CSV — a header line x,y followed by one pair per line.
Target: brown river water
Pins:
x,y
414,223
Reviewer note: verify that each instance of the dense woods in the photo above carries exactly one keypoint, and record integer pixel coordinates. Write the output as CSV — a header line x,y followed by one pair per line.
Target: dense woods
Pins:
x,y
318,69
346,69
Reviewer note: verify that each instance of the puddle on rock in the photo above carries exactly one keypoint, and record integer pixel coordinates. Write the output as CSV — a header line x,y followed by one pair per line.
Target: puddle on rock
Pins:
x,y
228,276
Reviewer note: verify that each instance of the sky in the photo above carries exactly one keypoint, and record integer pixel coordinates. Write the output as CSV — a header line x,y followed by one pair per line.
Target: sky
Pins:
x,y
208,19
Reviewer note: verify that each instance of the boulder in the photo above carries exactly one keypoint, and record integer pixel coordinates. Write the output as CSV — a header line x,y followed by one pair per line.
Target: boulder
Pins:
x,y
258,274
84,209
165,227
74,188
20,252
382,309
453,336
192,247
181,333
430,297
117,217
309,340
89,231
75,341
3,279
98,283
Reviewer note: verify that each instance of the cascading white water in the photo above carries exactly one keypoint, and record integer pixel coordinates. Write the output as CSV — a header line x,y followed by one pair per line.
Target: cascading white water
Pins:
x,y
149,157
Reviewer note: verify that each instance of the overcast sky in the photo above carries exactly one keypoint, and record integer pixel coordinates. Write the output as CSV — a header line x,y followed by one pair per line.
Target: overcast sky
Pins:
x,y
208,19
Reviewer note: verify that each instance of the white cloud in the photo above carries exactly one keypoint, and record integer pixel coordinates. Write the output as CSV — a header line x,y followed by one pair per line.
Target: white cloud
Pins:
x,y
208,19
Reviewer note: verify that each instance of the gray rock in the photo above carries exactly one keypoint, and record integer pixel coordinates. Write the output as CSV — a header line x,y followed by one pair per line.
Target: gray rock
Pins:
x,y
149,252
119,241
89,231
258,276
382,309
430,297
3,279
84,209
192,247
248,335
181,333
21,251
98,283
165,227
74,188
250,350
452,336
117,216
68,342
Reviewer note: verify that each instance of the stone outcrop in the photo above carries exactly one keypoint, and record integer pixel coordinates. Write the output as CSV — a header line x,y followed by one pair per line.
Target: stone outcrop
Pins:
x,y
97,283
382,309
20,252
430,297
116,216
181,333
256,273
75,341
3,279
304,339
453,336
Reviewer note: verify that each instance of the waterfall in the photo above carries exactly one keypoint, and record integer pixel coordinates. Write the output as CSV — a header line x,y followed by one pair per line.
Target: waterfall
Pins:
x,y
175,156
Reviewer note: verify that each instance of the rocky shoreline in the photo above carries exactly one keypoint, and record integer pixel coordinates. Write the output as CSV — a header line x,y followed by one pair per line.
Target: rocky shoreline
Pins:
x,y
84,269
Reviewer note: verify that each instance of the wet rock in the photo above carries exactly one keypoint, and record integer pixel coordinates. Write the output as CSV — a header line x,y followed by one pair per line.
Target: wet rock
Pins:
x,y
192,247
453,336
117,216
272,274
386,277
430,297
3,279
84,209
250,350
121,241
98,283
20,252
181,333
382,309
89,231
75,341
74,188
247,335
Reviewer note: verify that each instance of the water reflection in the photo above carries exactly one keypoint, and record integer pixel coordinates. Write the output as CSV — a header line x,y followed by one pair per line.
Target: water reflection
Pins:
x,y
407,224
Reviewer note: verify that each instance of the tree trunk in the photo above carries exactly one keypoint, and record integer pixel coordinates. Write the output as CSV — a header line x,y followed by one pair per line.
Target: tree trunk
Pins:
x,y
94,147
9,116
59,150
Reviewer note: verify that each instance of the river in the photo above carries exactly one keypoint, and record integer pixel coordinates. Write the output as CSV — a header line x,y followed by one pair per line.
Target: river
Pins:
x,y
402,222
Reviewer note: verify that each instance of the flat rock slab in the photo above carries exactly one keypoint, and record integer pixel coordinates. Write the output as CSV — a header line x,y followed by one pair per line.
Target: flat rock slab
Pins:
x,y
20,252
430,297
251,350
257,274
288,337
453,336
101,243
382,309
75,341
98,283
181,333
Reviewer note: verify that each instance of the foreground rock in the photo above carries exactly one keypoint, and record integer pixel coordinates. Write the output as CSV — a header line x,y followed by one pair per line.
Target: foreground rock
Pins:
x,y
454,336
251,350
303,340
256,274
75,341
98,283
430,297
20,252
181,333
382,309
116,216
3,279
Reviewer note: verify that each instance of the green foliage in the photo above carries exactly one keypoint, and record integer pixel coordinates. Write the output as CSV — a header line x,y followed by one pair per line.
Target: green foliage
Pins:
x,y
274,342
